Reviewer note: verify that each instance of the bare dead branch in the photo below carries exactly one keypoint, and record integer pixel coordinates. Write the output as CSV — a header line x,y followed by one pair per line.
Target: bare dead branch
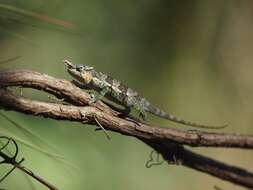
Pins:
x,y
181,156
166,141
64,89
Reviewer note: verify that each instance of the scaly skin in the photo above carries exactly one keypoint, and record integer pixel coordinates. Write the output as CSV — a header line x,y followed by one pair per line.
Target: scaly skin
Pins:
x,y
113,89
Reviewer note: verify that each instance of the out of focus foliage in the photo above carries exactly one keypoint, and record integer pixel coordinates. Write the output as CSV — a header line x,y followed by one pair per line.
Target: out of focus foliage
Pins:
x,y
191,58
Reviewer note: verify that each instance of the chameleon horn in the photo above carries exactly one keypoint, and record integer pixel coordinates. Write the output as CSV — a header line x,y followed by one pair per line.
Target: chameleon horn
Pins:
x,y
69,64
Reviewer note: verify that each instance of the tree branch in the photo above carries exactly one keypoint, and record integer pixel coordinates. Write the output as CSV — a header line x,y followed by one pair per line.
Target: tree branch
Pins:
x,y
166,141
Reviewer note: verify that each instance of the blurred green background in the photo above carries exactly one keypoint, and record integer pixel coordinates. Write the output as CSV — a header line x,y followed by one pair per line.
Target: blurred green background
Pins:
x,y
190,58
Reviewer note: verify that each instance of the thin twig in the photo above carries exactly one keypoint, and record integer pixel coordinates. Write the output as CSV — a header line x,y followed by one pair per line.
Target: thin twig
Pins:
x,y
103,129
36,177
17,164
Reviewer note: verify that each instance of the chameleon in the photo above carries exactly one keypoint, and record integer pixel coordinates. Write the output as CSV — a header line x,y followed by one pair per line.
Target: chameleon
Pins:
x,y
114,90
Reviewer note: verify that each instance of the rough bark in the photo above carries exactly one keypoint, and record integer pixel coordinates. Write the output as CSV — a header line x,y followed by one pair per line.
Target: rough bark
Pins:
x,y
167,141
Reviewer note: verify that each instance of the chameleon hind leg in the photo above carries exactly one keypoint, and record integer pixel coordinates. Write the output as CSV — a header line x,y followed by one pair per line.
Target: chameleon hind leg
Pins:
x,y
140,107
142,113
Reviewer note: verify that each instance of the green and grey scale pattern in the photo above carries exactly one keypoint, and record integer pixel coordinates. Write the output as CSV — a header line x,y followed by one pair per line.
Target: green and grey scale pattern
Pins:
x,y
121,94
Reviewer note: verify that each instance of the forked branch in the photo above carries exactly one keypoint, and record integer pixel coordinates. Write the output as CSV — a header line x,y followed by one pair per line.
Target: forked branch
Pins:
x,y
166,141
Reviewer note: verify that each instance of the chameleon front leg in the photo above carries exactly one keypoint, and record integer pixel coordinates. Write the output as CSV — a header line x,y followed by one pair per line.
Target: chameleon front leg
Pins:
x,y
101,94
143,114
93,96
126,110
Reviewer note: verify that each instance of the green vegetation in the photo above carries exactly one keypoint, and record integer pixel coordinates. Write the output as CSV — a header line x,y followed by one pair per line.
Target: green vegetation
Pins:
x,y
191,58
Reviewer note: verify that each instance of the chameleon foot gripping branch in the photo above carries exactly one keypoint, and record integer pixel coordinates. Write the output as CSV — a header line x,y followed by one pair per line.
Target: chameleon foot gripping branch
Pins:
x,y
114,90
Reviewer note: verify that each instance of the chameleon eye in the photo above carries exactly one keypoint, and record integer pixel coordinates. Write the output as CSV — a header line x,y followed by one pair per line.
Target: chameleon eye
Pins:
x,y
79,67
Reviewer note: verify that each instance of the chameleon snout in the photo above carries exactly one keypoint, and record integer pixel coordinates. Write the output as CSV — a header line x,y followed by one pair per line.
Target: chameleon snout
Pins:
x,y
69,64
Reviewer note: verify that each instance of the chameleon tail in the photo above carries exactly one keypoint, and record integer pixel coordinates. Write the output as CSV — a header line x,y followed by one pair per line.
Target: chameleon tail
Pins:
x,y
156,111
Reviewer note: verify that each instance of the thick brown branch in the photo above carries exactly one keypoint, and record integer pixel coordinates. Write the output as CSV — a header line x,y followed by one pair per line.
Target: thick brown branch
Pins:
x,y
166,141
182,156
72,94
171,152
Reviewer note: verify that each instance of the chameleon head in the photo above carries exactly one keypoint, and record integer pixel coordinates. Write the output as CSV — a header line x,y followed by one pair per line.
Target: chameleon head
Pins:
x,y
80,72
85,72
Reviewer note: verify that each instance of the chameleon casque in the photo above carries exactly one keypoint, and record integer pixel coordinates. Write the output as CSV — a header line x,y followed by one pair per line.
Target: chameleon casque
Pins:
x,y
114,90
